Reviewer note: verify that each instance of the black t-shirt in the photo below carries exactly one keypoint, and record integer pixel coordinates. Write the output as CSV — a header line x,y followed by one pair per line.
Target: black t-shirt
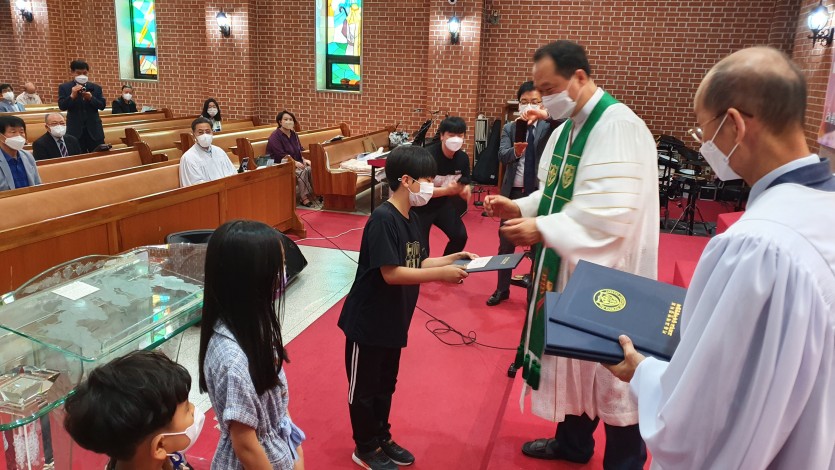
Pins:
x,y
459,164
376,313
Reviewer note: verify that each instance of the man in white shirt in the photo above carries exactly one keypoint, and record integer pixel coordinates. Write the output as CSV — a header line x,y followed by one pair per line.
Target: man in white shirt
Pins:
x,y
203,161
29,95
752,383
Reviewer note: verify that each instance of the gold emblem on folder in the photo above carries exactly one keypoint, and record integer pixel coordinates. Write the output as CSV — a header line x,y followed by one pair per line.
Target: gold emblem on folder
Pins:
x,y
568,176
609,300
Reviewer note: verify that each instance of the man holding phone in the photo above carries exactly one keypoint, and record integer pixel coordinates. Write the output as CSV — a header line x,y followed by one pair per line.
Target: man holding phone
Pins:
x,y
82,100
520,153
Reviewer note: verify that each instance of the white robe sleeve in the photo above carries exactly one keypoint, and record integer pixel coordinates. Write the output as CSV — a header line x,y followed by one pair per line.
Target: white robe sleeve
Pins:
x,y
748,368
191,170
606,205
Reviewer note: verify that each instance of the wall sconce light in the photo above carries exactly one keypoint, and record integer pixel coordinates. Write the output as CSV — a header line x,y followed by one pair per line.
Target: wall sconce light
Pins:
x,y
493,18
25,9
454,29
817,21
224,23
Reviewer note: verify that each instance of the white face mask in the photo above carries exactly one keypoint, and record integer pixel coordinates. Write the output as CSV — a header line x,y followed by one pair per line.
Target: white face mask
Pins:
x,y
9,95
527,107
422,197
204,140
127,96
16,143
58,131
454,144
559,106
193,431
717,159
81,79
289,125
212,112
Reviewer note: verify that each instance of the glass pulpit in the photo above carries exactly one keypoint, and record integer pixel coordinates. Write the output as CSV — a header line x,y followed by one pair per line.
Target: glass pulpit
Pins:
x,y
63,323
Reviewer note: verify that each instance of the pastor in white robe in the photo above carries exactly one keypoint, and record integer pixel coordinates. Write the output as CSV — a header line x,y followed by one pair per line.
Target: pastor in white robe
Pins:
x,y
198,165
752,383
612,220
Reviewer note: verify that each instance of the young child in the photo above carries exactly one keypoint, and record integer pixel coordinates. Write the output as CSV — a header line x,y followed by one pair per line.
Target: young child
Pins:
x,y
392,264
135,409
241,351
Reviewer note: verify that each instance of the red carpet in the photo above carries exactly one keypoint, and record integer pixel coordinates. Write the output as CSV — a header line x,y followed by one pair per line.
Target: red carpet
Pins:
x,y
454,406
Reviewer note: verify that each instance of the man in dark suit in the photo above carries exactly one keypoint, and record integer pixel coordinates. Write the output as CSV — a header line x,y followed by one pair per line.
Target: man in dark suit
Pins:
x,y
521,160
56,142
82,100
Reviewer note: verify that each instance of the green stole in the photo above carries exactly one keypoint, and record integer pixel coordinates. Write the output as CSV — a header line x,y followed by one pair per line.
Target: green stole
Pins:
x,y
557,192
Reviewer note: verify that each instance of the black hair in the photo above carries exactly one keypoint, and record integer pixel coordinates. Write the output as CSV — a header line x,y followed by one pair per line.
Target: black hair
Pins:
x,y
526,87
79,64
409,160
200,120
280,116
244,274
11,121
126,86
206,109
773,91
124,401
3,87
453,125
568,57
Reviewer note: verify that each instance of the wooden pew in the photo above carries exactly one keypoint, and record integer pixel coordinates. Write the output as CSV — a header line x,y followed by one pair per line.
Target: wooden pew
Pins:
x,y
340,187
252,148
84,179
226,140
164,142
137,155
107,216
38,117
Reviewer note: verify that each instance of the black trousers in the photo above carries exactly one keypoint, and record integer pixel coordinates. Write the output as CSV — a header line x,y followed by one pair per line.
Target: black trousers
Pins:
x,y
446,218
87,143
625,450
372,376
506,248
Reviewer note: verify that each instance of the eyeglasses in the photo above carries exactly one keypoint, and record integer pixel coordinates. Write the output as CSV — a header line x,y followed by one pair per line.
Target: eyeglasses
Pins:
x,y
696,132
535,102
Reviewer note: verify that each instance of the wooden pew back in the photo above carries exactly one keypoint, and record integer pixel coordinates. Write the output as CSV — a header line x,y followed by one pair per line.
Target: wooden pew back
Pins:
x,y
226,140
58,202
168,136
61,171
38,117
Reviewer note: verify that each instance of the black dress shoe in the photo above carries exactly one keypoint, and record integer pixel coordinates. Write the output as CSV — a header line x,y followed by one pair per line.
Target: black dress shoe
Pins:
x,y
521,281
497,298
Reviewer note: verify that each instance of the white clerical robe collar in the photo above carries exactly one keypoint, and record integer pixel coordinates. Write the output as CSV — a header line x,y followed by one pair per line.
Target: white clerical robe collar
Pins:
x,y
766,180
584,113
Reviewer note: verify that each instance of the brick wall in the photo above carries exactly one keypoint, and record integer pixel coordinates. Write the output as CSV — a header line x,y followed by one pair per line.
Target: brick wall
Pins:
x,y
650,54
816,63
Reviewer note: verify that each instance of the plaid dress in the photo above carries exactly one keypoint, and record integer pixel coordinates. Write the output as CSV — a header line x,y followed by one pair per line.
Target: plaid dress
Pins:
x,y
234,399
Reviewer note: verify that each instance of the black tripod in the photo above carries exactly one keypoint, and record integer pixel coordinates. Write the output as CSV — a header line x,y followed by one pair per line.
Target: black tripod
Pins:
x,y
694,187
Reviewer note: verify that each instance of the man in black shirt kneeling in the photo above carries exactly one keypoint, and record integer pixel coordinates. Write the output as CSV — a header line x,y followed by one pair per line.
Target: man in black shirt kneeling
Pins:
x,y
453,180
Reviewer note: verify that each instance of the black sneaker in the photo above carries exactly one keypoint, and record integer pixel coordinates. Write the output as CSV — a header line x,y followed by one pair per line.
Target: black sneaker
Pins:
x,y
397,454
374,460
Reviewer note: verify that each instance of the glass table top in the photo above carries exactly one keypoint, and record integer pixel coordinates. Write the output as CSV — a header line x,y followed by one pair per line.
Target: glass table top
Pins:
x,y
66,321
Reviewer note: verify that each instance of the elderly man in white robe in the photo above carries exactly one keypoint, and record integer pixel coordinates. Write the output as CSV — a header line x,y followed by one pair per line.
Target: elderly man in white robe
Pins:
x,y
752,383
203,161
598,201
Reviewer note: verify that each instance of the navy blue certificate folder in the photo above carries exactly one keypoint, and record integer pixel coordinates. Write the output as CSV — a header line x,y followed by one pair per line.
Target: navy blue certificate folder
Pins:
x,y
599,304
494,263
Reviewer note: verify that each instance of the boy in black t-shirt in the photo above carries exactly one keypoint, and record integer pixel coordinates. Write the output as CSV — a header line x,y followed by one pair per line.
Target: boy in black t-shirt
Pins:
x,y
453,175
375,318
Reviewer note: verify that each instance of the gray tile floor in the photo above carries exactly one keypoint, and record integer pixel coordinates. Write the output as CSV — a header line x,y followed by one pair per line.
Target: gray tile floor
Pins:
x,y
326,279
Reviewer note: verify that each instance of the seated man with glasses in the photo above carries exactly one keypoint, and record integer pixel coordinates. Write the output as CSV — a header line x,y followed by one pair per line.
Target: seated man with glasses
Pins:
x,y
521,159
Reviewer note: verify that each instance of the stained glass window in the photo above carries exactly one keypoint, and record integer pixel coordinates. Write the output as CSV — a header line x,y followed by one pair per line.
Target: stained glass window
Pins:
x,y
144,32
344,45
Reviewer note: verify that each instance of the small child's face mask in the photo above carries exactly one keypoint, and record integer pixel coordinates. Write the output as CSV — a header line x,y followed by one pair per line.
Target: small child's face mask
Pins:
x,y
191,432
